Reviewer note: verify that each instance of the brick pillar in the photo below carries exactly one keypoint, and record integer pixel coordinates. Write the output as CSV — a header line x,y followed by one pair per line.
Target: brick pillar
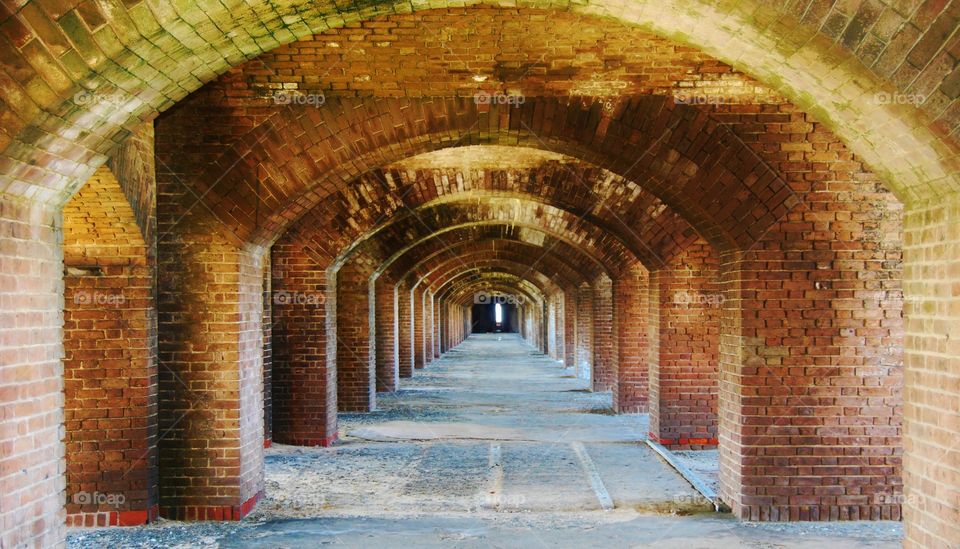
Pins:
x,y
444,327
31,502
210,310
110,362
418,322
404,330
211,380
524,322
585,332
570,328
437,321
560,351
461,324
551,327
267,352
431,335
356,348
653,347
810,375
427,306
630,305
683,409
455,325
388,359
304,379
604,343
932,396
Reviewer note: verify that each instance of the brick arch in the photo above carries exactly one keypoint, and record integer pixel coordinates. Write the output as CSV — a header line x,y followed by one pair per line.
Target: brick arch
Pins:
x,y
494,280
772,44
357,211
563,257
549,263
677,152
518,217
437,222
23,176
511,265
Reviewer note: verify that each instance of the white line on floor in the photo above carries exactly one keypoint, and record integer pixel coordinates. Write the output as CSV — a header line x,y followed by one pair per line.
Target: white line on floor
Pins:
x,y
606,503
492,498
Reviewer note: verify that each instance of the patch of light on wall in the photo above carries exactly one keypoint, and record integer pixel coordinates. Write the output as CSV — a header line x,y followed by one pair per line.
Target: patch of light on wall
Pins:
x,y
498,313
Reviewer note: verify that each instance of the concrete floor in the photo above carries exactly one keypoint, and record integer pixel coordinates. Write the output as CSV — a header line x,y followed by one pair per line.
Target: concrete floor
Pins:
x,y
493,445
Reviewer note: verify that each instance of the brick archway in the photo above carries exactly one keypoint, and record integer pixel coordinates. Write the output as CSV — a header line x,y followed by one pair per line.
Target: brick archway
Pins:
x,y
773,45
51,146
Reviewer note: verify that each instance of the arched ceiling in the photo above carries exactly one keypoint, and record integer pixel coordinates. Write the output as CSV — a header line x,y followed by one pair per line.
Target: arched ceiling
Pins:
x,y
677,153
139,59
564,263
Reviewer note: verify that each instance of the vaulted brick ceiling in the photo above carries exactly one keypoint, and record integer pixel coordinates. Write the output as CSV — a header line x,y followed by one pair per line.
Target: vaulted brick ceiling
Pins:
x,y
126,64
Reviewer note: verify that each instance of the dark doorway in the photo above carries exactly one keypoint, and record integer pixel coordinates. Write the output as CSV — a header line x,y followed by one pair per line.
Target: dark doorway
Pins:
x,y
485,318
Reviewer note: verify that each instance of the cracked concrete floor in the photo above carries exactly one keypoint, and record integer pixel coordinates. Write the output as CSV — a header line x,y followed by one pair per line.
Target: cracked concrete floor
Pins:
x,y
493,445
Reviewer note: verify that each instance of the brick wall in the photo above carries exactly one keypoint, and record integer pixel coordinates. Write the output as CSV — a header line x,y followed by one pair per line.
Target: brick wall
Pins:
x,y
31,390
133,163
684,406
110,361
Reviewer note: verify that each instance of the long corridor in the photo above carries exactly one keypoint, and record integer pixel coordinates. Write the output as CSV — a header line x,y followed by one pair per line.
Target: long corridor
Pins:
x,y
492,425
492,445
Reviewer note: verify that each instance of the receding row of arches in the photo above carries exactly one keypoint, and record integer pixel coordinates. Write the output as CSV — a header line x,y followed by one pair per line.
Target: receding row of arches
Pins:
x,y
241,268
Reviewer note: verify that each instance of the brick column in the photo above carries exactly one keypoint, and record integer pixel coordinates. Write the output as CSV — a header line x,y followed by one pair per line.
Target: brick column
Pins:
x,y
444,327
554,337
418,322
585,332
110,361
932,397
404,330
435,325
630,292
267,352
683,408
356,348
388,359
31,503
427,327
604,343
810,380
570,328
211,385
560,351
653,347
304,379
